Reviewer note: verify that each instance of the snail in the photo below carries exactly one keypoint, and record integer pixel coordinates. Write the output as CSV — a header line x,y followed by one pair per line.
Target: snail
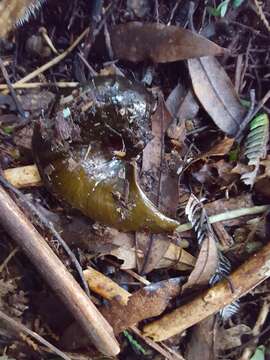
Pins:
x,y
84,154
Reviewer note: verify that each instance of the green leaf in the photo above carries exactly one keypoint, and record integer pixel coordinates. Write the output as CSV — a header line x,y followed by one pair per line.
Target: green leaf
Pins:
x,y
213,11
223,7
259,353
8,130
134,343
245,103
237,3
233,154
256,146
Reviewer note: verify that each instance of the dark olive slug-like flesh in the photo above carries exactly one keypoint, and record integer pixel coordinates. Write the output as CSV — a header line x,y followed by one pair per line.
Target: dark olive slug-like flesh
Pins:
x,y
83,154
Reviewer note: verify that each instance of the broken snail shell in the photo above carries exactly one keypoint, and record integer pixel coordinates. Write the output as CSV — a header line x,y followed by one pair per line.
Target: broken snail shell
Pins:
x,y
76,154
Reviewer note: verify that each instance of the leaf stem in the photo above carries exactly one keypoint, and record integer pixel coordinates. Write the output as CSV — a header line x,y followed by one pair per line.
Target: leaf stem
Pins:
x,y
228,215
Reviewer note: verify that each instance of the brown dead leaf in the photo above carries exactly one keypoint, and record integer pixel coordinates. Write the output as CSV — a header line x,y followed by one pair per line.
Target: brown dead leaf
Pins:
x,y
216,93
241,169
206,264
231,338
182,104
220,149
223,205
262,190
135,41
266,164
215,173
174,257
201,344
160,186
146,303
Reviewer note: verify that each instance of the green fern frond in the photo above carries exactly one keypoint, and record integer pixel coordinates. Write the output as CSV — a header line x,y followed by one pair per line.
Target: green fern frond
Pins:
x,y
255,146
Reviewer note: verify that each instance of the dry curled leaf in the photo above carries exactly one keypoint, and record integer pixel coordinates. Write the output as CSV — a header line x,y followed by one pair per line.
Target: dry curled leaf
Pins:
x,y
135,41
216,93
182,103
206,264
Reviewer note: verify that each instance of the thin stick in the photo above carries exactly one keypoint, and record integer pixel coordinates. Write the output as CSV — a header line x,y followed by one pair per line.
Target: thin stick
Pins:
x,y
9,85
54,61
263,314
8,258
18,328
55,273
60,84
48,225
229,215
244,279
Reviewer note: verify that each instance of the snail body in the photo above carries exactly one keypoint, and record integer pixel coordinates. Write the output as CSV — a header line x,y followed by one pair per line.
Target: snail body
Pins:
x,y
81,166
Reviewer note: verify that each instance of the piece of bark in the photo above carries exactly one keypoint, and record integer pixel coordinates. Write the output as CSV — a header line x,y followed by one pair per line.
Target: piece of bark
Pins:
x,y
73,338
23,176
105,287
145,303
55,273
244,279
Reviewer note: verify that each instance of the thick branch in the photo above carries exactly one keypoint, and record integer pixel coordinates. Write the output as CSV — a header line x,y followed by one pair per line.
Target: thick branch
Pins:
x,y
243,280
52,269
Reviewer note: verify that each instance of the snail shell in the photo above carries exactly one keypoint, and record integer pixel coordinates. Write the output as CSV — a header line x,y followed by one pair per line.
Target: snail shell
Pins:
x,y
76,154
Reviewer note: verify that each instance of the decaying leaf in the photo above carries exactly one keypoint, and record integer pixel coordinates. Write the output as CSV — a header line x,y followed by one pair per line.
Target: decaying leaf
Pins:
x,y
255,146
220,149
160,186
223,205
215,173
135,41
206,264
201,344
182,103
231,338
175,257
150,301
216,93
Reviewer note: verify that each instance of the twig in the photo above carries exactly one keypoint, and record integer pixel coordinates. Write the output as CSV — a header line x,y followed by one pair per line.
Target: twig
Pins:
x,y
248,117
44,34
54,61
8,258
60,84
229,215
259,8
48,225
18,328
252,113
177,3
248,351
244,279
55,273
9,85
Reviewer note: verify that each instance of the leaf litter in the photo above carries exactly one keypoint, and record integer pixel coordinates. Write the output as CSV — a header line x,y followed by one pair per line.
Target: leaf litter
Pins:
x,y
194,147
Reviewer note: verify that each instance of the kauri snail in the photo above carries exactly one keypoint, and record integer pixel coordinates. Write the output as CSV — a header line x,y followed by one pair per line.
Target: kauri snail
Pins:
x,y
76,153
